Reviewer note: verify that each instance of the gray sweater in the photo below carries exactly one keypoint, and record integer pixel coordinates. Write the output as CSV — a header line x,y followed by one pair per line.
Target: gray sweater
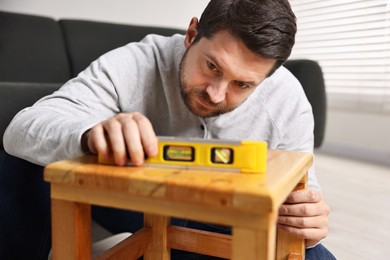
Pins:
x,y
143,77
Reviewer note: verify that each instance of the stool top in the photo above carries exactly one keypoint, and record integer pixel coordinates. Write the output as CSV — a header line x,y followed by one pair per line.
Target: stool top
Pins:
x,y
211,188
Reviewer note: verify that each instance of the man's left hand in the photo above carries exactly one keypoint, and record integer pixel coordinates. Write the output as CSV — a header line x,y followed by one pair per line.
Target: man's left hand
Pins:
x,y
305,214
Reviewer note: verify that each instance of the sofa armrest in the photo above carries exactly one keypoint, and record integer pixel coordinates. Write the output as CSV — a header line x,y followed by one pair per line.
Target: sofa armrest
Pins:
x,y
14,96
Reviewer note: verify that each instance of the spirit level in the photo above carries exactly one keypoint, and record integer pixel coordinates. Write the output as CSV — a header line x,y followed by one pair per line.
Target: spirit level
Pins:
x,y
194,153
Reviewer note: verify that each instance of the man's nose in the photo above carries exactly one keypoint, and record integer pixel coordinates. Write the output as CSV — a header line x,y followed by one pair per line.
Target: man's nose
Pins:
x,y
217,92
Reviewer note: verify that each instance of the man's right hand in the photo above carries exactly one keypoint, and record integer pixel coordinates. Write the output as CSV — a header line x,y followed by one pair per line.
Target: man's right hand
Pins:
x,y
124,134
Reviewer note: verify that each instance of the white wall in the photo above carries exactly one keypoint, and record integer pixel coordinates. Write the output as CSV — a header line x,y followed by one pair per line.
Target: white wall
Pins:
x,y
358,133
171,13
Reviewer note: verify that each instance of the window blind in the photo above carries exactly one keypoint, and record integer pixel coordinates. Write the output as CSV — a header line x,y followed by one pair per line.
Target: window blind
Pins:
x,y
351,41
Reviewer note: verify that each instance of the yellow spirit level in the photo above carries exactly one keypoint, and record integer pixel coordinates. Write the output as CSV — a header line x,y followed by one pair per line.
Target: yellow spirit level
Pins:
x,y
194,153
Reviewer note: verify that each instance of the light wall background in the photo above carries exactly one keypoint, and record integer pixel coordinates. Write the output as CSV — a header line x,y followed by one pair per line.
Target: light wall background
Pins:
x,y
354,129
171,13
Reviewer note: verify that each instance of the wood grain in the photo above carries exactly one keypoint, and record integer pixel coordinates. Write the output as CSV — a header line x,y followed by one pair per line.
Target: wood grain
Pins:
x,y
199,241
71,230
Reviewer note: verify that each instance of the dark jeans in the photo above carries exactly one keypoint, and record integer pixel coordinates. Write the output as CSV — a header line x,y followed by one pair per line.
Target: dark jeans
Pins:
x,y
25,216
24,210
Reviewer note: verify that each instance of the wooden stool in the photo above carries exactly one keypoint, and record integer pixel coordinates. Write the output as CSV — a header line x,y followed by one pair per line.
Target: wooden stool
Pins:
x,y
247,202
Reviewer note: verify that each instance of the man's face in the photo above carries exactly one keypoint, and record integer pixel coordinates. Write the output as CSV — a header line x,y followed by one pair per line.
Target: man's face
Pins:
x,y
218,74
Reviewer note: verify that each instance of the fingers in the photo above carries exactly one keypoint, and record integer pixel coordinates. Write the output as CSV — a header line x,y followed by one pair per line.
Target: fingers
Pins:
x,y
114,132
97,142
304,209
305,195
132,140
304,222
306,202
311,228
305,214
148,137
122,135
310,234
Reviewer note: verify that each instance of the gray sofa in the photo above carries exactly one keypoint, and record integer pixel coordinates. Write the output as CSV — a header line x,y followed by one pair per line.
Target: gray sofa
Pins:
x,y
37,55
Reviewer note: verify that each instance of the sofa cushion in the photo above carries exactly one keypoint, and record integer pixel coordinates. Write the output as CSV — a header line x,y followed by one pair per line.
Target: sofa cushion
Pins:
x,y
16,96
31,49
87,40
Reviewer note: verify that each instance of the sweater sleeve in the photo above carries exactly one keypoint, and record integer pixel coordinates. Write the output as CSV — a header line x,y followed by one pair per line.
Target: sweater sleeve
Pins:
x,y
51,129
293,119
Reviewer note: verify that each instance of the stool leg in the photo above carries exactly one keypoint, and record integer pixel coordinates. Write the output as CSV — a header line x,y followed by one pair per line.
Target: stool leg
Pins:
x,y
71,230
257,242
288,245
158,248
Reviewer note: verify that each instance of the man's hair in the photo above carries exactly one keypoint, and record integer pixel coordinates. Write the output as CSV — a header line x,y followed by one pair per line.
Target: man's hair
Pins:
x,y
266,27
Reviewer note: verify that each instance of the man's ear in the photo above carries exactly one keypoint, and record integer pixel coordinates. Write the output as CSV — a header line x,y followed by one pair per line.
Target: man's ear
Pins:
x,y
192,31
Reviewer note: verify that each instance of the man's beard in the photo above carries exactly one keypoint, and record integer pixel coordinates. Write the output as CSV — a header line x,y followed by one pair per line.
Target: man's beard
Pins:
x,y
213,109
190,96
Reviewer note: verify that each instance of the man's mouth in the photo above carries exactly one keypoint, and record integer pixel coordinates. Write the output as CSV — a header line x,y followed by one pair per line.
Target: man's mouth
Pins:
x,y
205,104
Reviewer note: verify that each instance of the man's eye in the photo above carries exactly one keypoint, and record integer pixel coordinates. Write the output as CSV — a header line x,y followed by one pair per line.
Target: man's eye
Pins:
x,y
211,66
242,85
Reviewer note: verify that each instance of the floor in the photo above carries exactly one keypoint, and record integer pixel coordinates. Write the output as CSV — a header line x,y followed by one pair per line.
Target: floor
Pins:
x,y
359,196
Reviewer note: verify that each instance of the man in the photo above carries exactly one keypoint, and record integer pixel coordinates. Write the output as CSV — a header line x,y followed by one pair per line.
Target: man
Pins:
x,y
222,80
